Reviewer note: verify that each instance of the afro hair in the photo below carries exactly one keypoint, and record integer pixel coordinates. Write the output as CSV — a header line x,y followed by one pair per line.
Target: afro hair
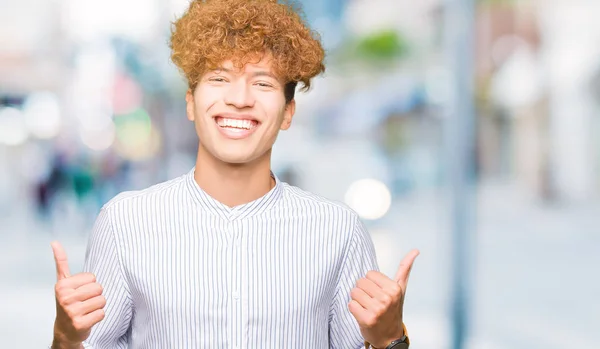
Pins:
x,y
213,31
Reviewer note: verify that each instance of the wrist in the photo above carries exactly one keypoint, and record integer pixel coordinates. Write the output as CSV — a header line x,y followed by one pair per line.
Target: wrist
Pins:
x,y
384,344
60,342
402,335
61,345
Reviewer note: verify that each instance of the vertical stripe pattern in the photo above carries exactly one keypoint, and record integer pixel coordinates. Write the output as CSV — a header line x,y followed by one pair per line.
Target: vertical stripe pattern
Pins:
x,y
181,270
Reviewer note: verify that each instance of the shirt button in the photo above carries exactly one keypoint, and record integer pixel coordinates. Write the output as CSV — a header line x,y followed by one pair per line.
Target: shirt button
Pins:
x,y
235,295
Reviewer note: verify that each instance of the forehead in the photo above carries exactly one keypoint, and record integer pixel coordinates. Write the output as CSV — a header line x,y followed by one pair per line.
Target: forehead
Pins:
x,y
265,64
257,65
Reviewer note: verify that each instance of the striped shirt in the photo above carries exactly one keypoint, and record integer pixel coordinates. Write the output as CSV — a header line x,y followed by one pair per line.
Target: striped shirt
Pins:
x,y
182,270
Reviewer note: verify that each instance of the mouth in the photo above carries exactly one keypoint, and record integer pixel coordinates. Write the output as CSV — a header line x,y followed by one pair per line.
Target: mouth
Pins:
x,y
236,128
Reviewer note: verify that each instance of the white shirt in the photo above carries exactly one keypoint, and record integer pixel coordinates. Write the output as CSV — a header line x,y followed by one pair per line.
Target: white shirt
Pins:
x,y
181,270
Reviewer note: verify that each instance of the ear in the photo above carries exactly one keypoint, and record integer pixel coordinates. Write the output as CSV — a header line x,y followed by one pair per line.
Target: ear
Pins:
x,y
190,107
288,114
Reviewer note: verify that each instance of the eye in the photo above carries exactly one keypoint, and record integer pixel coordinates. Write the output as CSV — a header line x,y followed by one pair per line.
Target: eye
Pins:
x,y
217,79
263,84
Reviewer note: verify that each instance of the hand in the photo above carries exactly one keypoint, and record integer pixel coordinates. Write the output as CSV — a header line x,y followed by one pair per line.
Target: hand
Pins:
x,y
377,303
79,303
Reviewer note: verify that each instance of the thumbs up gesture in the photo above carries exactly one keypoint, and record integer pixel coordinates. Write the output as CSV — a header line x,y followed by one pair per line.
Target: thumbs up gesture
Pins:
x,y
79,303
377,303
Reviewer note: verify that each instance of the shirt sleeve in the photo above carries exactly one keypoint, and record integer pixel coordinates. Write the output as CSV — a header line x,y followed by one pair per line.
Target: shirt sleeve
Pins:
x,y
103,260
359,258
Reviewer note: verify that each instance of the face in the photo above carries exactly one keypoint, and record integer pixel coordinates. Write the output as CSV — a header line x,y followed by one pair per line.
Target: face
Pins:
x,y
238,113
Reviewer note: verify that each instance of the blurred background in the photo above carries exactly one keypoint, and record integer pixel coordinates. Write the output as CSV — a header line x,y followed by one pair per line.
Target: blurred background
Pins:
x,y
90,105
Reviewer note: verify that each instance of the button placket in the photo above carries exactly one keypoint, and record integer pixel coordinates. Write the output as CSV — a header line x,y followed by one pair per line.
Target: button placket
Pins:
x,y
231,281
237,280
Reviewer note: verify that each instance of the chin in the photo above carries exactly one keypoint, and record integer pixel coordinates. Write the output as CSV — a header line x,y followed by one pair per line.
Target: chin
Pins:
x,y
236,158
236,154
235,161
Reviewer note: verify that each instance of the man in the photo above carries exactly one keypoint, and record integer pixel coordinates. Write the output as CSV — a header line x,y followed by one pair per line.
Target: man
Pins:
x,y
228,256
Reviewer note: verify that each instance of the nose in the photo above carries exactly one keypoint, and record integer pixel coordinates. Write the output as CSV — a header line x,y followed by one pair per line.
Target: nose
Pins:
x,y
239,95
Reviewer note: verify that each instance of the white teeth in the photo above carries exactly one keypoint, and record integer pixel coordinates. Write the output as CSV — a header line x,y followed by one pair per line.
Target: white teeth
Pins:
x,y
235,123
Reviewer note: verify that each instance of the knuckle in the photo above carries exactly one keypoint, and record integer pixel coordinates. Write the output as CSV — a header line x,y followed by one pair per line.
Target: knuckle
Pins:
x,y
63,299
60,286
396,289
94,290
71,313
90,276
78,324
370,320
386,299
371,273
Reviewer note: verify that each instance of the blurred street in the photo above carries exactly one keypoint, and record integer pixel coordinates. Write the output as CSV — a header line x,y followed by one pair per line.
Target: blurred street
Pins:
x,y
92,105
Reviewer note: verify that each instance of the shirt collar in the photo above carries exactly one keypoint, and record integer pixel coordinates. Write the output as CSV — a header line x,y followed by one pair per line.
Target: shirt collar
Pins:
x,y
252,208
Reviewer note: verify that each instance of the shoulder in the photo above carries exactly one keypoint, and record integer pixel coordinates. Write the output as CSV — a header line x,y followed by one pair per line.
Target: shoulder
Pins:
x,y
336,216
305,202
155,195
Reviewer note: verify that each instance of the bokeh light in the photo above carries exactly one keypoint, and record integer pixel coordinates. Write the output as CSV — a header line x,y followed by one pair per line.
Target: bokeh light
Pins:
x,y
97,119
370,198
42,115
136,138
13,130
98,138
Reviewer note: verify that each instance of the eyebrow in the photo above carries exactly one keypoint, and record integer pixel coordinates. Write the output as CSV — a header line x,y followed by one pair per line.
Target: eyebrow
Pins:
x,y
253,74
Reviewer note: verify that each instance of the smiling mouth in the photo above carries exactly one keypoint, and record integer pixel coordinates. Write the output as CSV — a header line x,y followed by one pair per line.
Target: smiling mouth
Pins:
x,y
236,124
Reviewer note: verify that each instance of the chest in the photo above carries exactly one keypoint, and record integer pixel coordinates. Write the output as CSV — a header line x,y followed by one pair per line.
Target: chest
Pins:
x,y
252,271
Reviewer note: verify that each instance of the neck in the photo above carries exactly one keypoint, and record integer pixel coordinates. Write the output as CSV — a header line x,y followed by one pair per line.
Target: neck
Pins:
x,y
233,184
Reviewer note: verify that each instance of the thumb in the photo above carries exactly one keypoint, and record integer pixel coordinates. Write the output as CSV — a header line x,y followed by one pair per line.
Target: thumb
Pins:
x,y
60,257
405,267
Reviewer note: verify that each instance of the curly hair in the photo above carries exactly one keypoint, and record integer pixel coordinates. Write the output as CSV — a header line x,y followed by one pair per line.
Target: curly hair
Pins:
x,y
213,31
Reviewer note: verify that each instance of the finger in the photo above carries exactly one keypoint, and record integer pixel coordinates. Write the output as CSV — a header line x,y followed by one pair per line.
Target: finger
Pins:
x,y
92,318
76,281
369,287
384,295
88,291
363,298
405,267
60,258
359,312
92,305
380,279
84,293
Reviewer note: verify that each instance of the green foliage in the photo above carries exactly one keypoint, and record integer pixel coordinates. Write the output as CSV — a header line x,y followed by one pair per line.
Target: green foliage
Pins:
x,y
387,44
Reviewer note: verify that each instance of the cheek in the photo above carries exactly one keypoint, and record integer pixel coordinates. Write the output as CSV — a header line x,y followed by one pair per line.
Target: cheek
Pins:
x,y
275,109
205,98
